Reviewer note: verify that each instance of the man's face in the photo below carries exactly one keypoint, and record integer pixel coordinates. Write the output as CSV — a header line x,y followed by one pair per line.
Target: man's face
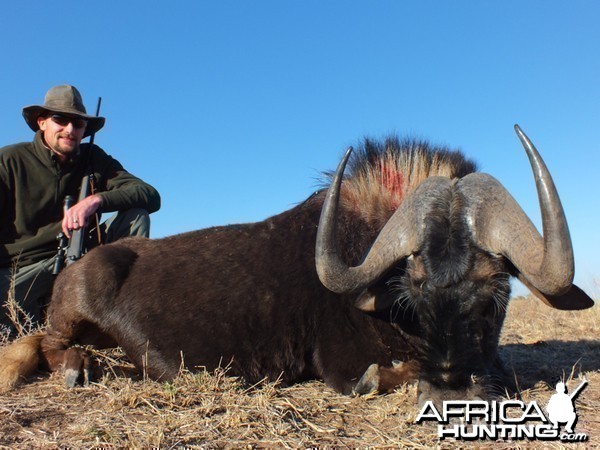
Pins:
x,y
62,134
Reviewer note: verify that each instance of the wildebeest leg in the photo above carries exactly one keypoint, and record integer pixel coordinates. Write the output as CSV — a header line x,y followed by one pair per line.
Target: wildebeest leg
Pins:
x,y
385,379
362,344
75,361
66,326
71,316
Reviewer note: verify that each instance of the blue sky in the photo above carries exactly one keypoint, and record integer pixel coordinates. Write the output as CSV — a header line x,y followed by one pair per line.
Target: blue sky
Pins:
x,y
232,109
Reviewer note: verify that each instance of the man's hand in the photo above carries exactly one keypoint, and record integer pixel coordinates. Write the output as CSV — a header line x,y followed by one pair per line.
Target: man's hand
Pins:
x,y
78,216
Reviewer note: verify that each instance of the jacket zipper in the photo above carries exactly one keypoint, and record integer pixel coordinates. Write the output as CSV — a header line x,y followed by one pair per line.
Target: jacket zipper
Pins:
x,y
58,177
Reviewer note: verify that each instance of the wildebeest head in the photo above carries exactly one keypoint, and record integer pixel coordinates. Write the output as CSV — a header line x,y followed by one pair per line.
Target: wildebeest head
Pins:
x,y
441,266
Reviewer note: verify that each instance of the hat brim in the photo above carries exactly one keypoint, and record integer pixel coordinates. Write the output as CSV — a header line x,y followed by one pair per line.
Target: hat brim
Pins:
x,y
31,114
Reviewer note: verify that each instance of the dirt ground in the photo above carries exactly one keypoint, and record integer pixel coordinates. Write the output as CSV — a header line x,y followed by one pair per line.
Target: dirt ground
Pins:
x,y
202,410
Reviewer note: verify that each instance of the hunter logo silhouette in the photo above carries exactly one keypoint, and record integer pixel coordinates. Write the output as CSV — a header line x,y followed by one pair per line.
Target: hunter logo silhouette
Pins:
x,y
507,419
561,407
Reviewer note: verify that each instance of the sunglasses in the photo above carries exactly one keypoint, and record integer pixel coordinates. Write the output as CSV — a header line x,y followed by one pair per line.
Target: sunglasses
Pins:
x,y
63,121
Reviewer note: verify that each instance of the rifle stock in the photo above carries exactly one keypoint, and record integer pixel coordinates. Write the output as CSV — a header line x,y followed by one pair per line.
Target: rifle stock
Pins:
x,y
75,249
63,242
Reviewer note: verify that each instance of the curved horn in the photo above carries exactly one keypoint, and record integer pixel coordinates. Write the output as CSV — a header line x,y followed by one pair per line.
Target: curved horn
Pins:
x,y
399,238
500,226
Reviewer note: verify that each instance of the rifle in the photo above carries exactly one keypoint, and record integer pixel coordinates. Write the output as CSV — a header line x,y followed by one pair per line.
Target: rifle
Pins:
x,y
75,248
63,241
71,250
576,392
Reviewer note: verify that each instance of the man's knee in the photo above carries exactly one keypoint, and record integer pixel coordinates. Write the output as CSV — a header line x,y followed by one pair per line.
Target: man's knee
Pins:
x,y
130,222
139,220
26,293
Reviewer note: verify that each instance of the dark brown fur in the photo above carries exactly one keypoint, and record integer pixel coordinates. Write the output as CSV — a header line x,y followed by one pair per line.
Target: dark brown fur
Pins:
x,y
247,296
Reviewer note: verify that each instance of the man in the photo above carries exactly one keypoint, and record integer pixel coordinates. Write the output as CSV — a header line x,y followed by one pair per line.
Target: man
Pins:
x,y
35,178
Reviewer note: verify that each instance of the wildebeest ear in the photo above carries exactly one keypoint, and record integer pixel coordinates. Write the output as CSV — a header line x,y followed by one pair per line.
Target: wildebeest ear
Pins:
x,y
573,299
375,298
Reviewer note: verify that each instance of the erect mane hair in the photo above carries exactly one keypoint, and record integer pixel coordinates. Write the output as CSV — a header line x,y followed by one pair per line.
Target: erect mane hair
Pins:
x,y
381,173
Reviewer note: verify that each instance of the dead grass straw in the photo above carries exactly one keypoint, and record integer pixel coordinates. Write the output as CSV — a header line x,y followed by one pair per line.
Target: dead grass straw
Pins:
x,y
214,410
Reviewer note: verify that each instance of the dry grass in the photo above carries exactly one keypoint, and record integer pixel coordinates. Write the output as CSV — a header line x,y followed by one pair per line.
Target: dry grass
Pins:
x,y
23,323
217,411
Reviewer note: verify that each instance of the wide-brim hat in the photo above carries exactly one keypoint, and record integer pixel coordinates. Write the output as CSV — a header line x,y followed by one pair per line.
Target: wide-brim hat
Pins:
x,y
65,100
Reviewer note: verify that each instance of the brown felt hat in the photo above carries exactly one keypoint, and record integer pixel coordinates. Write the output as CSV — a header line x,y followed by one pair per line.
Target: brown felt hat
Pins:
x,y
63,99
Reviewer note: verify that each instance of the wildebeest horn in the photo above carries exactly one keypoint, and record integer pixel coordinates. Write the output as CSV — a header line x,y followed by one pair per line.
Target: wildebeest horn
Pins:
x,y
399,238
500,226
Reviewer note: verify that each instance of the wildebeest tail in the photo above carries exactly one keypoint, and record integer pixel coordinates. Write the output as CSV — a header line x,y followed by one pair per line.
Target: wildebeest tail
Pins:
x,y
19,360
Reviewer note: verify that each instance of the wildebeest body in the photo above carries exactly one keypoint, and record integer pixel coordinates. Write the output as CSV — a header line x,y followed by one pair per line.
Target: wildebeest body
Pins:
x,y
414,236
244,296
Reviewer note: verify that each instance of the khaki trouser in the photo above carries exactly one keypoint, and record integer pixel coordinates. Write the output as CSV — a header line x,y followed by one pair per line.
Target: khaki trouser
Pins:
x,y
33,283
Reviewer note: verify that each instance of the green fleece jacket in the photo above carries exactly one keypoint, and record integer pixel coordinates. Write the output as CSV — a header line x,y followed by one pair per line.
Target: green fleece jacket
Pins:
x,y
33,187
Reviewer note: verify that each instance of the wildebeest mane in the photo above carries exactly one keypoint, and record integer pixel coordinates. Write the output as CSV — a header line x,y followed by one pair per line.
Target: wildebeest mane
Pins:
x,y
381,173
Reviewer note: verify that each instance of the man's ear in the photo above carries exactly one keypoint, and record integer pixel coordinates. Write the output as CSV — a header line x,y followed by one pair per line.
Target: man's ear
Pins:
x,y
41,120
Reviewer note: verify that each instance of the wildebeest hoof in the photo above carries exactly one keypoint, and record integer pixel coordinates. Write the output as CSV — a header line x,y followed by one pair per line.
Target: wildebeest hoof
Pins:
x,y
71,377
385,379
77,367
369,382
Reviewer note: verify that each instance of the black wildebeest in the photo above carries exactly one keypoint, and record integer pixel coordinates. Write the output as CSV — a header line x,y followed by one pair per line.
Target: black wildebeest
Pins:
x,y
414,236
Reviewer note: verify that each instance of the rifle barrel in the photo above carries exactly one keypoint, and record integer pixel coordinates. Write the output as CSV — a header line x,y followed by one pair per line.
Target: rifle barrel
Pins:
x,y
97,114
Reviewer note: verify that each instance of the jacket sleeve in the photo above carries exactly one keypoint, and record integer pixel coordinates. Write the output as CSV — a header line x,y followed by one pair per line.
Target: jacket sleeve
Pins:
x,y
119,189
